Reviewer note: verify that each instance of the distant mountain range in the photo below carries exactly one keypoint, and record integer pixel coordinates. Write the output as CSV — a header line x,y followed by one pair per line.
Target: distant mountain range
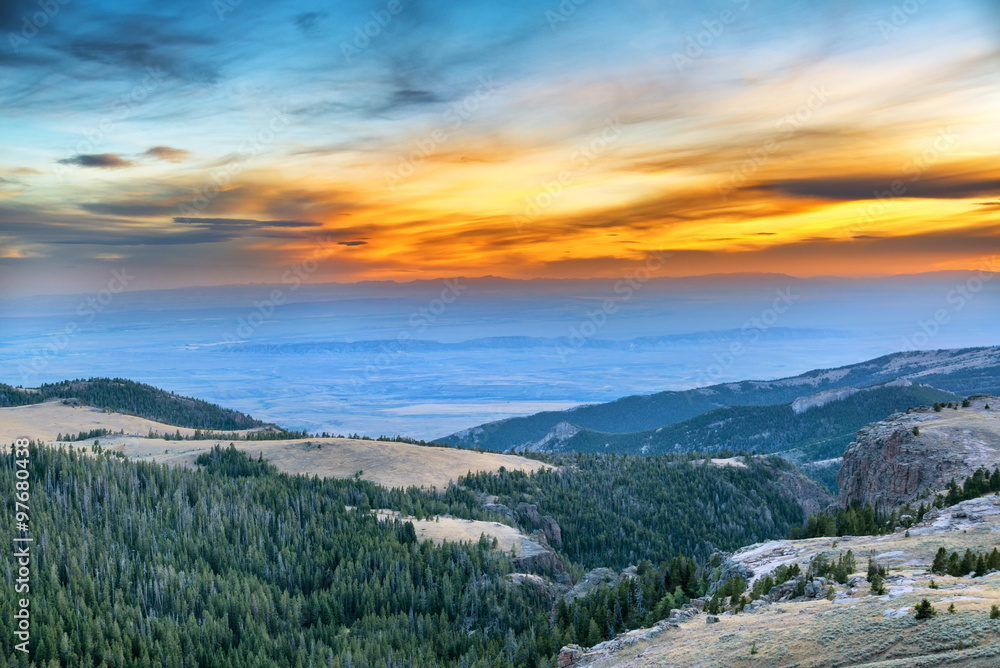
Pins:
x,y
665,342
819,432
809,417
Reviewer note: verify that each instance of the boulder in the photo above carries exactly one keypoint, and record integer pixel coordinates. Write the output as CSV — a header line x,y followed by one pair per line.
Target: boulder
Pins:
x,y
528,512
569,655
552,531
537,558
501,510
890,613
711,619
591,581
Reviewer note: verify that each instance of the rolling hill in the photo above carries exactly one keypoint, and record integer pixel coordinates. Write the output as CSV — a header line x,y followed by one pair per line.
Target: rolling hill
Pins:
x,y
129,397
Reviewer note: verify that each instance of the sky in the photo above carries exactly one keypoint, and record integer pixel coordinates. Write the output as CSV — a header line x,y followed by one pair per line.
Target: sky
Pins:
x,y
229,141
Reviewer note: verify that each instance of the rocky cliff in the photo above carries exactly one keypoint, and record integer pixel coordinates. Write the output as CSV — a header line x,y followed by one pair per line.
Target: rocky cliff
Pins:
x,y
908,457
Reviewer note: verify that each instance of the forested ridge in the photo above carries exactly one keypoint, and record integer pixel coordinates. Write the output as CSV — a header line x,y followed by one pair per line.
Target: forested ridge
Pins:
x,y
125,396
618,510
815,434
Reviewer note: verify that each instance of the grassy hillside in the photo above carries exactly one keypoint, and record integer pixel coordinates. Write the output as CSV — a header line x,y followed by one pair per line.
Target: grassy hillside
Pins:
x,y
964,371
126,396
815,434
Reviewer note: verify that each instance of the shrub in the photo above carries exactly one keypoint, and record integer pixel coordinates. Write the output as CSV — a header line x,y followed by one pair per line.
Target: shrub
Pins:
x,y
916,430
995,612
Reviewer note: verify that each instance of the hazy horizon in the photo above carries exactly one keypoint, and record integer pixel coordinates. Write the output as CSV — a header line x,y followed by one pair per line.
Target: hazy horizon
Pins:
x,y
426,358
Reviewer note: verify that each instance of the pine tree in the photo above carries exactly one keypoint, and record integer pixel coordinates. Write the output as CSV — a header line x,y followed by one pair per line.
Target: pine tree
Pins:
x,y
940,564
924,610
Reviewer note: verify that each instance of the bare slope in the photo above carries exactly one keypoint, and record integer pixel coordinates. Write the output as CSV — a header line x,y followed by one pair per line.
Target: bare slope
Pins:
x,y
45,421
853,629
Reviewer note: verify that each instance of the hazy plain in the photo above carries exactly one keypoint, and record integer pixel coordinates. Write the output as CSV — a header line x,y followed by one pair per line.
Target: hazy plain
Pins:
x,y
414,359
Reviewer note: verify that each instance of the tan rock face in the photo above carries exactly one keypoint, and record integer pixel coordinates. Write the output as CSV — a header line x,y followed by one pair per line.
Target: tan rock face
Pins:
x,y
887,464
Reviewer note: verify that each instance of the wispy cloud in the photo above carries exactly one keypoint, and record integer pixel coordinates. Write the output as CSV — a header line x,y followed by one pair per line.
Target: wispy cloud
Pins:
x,y
167,153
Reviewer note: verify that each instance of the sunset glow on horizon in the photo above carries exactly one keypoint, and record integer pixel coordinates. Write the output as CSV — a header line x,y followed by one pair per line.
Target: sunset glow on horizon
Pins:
x,y
210,147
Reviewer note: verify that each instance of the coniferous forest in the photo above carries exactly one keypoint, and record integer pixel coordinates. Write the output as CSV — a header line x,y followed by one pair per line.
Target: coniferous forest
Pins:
x,y
236,564
139,565
617,510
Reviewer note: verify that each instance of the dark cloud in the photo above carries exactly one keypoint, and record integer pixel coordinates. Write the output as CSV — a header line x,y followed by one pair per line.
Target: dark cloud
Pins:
x,y
352,243
801,257
244,224
307,21
13,12
130,209
167,153
102,160
163,46
121,233
870,187
406,96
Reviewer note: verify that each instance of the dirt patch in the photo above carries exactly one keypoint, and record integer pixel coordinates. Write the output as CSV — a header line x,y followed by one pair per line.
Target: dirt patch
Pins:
x,y
457,530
